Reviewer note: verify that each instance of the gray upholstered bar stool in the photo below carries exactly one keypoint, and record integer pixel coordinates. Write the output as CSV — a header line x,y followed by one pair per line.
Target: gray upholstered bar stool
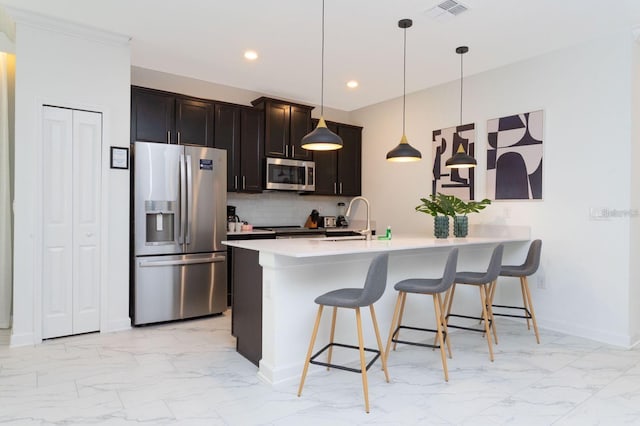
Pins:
x,y
529,267
483,281
353,298
430,286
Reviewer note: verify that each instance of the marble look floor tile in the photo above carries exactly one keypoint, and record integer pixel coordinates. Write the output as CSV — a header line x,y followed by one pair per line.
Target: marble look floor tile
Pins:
x,y
188,373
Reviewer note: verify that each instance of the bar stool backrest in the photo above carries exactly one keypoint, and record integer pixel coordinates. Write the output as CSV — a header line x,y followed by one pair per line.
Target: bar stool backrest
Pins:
x,y
531,264
449,274
494,264
376,281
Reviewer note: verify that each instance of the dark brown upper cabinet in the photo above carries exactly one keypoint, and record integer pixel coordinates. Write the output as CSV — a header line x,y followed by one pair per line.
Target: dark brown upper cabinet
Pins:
x,y
239,130
339,172
164,117
285,125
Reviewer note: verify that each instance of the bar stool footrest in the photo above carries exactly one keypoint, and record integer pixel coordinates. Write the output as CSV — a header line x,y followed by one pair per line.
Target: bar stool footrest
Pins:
x,y
526,315
342,367
480,330
426,345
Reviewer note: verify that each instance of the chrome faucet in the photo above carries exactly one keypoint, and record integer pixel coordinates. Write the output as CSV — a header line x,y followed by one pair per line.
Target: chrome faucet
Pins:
x,y
365,232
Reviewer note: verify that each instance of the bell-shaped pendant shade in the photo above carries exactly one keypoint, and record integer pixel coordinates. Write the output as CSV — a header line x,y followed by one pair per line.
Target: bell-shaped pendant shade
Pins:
x,y
321,139
461,160
404,152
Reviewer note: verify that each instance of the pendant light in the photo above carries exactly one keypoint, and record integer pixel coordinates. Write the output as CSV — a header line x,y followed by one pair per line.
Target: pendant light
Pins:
x,y
461,160
322,139
404,152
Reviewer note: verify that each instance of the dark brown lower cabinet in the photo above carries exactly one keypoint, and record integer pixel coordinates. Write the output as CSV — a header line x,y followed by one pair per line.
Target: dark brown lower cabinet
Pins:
x,y
246,313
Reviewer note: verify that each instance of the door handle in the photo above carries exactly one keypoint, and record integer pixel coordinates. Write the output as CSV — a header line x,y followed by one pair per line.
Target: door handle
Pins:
x,y
178,138
183,200
152,263
335,189
169,137
189,199
244,183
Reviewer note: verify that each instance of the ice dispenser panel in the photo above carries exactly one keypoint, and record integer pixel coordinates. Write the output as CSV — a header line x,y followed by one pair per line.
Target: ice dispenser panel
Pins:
x,y
160,216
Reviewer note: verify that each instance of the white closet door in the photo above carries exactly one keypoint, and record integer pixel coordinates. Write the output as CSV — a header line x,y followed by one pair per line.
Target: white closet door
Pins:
x,y
57,273
87,145
71,274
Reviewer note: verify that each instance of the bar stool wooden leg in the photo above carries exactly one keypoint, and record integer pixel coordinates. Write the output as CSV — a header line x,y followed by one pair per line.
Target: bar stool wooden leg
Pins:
x,y
444,324
333,332
490,311
404,299
448,301
525,302
485,317
394,324
380,348
310,351
363,365
525,283
436,307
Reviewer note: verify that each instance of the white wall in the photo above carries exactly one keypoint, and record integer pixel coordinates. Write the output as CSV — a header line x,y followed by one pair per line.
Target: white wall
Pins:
x,y
68,65
585,94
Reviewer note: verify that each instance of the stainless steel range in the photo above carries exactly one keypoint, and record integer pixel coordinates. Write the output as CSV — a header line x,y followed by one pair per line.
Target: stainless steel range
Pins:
x,y
180,222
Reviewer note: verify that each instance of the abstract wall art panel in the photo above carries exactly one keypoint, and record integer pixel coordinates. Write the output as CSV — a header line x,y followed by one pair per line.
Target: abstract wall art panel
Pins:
x,y
514,157
458,182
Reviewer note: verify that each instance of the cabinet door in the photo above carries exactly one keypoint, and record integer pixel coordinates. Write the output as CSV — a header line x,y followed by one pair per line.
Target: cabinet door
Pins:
x,y
327,168
300,127
251,149
194,122
276,129
349,160
227,136
152,116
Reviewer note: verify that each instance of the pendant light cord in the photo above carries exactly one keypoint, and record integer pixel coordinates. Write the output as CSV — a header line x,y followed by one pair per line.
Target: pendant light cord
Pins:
x,y
461,78
322,68
404,81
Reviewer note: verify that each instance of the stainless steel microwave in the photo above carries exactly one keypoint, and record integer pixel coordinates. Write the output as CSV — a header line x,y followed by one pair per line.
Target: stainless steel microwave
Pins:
x,y
292,175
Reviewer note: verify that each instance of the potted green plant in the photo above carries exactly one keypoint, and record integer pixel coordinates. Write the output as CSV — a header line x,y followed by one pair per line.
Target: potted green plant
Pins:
x,y
462,209
441,207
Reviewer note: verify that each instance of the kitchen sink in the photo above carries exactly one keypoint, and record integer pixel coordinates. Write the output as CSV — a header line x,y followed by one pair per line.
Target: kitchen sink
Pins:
x,y
343,238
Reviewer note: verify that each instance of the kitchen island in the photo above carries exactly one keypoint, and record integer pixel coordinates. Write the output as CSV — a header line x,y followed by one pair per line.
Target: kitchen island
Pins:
x,y
296,271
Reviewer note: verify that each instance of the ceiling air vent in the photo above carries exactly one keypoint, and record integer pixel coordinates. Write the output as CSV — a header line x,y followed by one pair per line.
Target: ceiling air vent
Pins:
x,y
447,9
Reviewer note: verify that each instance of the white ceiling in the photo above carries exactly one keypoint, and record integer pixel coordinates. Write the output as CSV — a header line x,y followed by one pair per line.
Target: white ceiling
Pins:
x,y
205,39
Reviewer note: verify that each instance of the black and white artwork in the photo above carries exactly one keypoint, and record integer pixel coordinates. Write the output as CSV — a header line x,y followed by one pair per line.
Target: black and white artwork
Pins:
x,y
458,182
514,157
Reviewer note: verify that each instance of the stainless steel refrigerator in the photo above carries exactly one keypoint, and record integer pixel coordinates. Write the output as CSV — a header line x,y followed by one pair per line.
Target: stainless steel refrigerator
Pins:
x,y
180,202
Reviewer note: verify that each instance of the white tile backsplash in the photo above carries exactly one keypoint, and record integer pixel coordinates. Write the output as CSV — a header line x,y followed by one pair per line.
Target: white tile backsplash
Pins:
x,y
282,208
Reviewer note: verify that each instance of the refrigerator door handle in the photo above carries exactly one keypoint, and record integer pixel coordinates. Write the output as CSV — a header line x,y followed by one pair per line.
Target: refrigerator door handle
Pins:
x,y
154,263
183,204
189,199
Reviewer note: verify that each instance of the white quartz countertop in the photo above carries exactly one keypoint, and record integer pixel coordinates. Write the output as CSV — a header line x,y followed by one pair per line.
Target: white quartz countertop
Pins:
x,y
302,247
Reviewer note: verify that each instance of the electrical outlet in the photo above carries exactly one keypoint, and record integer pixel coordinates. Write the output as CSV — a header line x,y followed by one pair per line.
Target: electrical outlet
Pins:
x,y
540,283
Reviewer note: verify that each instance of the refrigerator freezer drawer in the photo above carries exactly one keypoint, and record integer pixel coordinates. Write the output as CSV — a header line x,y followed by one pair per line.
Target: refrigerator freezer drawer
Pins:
x,y
179,286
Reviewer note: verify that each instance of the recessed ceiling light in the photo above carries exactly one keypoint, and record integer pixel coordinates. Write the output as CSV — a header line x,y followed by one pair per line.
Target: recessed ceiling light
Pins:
x,y
352,84
251,55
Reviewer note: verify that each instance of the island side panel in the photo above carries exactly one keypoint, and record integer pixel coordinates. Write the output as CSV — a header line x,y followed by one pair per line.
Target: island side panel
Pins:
x,y
247,303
